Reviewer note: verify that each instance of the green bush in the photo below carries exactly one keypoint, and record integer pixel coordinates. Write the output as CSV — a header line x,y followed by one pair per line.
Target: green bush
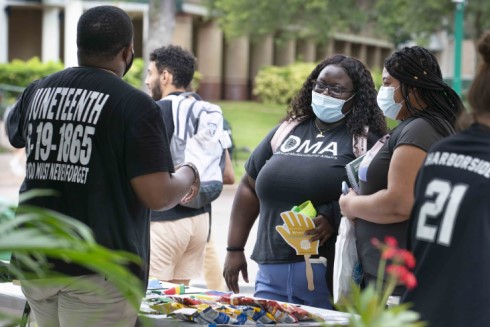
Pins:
x,y
275,84
377,78
22,73
280,84
135,74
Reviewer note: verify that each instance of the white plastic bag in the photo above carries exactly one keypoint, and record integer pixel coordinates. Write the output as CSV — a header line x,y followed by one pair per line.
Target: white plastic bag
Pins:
x,y
346,267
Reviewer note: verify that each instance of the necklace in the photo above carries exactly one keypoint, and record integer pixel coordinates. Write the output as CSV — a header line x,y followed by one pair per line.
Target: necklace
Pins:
x,y
320,131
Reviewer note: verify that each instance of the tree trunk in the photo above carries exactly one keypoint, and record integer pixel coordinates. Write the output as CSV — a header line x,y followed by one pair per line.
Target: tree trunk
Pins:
x,y
160,27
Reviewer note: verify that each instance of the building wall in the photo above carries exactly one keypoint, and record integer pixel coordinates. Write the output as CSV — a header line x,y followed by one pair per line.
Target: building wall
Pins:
x,y
228,67
25,27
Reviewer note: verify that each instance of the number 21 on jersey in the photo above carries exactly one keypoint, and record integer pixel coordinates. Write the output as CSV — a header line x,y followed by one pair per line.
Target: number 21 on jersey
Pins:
x,y
442,204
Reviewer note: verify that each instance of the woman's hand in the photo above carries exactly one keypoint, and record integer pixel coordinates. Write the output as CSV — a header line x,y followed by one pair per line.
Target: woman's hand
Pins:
x,y
235,263
193,192
323,230
344,201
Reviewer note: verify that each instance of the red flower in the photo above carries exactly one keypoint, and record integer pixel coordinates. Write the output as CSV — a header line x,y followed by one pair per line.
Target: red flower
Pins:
x,y
402,275
409,280
391,241
396,271
389,253
407,258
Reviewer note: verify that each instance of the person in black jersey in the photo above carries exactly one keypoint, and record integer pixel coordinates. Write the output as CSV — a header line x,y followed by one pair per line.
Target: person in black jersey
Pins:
x,y
337,101
414,93
100,145
450,228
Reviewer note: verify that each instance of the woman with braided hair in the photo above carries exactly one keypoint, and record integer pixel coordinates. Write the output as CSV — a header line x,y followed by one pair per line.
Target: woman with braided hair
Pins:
x,y
335,104
451,242
414,93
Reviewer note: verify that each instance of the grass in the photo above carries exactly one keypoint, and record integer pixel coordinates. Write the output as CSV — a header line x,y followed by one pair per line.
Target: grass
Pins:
x,y
250,123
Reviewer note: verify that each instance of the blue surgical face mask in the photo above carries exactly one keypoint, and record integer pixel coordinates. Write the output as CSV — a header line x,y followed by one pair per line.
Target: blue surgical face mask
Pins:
x,y
386,102
327,108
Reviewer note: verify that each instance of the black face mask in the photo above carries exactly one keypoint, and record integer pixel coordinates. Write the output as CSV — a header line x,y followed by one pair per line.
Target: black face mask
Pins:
x,y
128,66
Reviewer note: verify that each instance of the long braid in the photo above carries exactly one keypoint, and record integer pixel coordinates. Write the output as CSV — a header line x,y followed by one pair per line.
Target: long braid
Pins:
x,y
416,67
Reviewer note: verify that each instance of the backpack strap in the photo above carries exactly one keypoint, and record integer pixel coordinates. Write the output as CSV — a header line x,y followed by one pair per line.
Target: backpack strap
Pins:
x,y
168,119
284,130
181,128
191,94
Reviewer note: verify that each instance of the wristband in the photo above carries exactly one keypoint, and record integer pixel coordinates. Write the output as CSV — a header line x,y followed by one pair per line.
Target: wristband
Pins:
x,y
194,170
235,249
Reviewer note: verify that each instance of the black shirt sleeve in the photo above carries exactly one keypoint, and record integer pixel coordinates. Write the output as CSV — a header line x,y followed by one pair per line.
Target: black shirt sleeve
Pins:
x,y
147,144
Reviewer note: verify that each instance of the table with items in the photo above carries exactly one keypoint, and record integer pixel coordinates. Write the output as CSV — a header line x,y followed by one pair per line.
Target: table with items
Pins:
x,y
207,307
168,304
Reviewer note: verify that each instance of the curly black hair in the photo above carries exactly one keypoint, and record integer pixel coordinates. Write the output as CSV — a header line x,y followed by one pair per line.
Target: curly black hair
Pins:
x,y
479,92
103,31
365,110
178,61
415,67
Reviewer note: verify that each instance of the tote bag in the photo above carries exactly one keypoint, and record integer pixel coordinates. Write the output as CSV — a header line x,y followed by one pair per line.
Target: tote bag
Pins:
x,y
347,268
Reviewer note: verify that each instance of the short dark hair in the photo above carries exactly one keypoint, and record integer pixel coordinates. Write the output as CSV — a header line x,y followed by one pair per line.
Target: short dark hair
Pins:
x,y
479,92
416,67
103,31
178,61
365,111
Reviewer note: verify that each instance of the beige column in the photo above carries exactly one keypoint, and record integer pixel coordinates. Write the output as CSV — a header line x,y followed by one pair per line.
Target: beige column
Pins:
x,y
236,69
347,48
4,32
306,50
51,34
73,11
285,52
183,31
378,60
210,55
363,53
325,50
262,54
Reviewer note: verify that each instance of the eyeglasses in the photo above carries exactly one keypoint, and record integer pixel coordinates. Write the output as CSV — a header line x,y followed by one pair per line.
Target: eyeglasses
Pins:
x,y
334,91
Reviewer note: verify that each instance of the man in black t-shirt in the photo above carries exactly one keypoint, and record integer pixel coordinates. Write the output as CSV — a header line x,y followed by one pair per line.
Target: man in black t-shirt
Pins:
x,y
101,145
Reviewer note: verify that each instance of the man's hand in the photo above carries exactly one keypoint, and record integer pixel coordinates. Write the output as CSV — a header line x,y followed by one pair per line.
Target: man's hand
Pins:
x,y
293,231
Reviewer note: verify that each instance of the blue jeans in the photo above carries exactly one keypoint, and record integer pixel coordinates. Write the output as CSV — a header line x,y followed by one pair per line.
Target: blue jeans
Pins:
x,y
287,283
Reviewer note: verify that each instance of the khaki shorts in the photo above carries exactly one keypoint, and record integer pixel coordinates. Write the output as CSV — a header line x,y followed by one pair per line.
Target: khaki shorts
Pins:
x,y
82,301
177,247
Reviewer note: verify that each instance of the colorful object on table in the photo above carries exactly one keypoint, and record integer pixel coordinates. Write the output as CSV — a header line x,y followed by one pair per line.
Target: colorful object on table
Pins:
x,y
179,289
154,284
227,309
306,208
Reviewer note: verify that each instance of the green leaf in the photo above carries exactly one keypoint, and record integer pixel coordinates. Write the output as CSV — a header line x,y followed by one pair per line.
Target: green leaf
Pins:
x,y
36,234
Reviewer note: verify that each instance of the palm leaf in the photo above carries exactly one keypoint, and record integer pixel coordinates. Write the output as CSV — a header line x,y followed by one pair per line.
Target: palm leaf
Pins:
x,y
36,234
